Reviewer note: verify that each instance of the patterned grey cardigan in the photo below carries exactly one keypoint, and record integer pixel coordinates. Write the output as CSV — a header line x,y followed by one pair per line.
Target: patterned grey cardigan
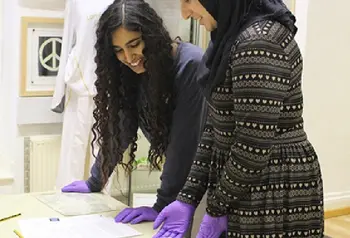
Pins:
x,y
257,107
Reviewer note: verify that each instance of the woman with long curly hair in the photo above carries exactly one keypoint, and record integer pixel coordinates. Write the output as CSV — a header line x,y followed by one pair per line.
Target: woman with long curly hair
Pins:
x,y
261,173
144,80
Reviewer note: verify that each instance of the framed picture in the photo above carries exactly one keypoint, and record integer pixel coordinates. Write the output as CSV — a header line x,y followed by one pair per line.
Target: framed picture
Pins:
x,y
41,49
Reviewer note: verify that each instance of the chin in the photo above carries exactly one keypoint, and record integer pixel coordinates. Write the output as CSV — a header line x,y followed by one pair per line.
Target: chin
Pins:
x,y
139,71
210,27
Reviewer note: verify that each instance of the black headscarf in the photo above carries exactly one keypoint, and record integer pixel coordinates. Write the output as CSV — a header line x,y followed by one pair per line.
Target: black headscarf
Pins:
x,y
233,16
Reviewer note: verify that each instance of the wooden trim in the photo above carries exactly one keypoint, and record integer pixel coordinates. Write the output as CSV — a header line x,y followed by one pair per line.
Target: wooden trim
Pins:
x,y
25,21
88,159
293,6
4,181
337,212
48,20
205,40
6,178
24,37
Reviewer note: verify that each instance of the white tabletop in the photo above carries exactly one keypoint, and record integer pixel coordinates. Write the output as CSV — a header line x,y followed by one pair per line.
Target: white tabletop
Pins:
x,y
30,207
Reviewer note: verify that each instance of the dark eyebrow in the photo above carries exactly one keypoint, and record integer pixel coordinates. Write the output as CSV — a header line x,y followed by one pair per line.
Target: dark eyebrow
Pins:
x,y
133,40
127,43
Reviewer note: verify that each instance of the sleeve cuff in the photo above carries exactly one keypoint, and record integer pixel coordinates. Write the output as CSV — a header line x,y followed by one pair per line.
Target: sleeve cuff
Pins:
x,y
216,208
161,203
188,199
94,185
157,208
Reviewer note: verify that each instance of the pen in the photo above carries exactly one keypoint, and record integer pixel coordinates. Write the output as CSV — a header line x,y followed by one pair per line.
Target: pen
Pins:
x,y
18,234
13,216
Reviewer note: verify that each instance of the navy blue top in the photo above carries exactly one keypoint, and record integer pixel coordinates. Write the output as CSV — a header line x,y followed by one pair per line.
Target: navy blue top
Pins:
x,y
184,132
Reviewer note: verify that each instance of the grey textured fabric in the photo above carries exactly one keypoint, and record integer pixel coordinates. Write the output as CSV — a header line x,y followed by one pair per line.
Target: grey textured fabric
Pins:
x,y
254,158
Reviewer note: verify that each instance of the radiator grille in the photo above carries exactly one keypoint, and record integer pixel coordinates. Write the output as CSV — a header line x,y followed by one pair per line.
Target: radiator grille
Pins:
x,y
41,163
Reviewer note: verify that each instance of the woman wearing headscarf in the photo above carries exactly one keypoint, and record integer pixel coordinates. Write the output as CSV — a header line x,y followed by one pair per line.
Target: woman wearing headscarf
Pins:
x,y
261,173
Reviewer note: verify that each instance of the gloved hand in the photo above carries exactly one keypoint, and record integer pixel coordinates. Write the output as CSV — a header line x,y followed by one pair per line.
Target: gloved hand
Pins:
x,y
177,217
212,227
76,187
136,215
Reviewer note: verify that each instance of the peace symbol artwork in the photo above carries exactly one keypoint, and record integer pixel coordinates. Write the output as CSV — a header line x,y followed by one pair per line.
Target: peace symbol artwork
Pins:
x,y
49,55
41,52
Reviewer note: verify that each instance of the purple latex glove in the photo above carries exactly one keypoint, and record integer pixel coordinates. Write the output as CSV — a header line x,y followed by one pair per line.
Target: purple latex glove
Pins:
x,y
212,227
76,187
136,215
176,219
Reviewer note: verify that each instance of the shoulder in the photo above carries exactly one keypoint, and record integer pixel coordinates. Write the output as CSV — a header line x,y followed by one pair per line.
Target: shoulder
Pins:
x,y
188,61
188,55
259,49
268,35
188,64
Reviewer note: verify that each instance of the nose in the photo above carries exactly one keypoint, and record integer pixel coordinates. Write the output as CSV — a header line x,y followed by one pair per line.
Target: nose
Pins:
x,y
128,56
185,11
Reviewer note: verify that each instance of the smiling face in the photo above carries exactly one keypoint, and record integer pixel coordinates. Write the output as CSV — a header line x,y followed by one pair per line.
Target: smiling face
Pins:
x,y
128,47
195,10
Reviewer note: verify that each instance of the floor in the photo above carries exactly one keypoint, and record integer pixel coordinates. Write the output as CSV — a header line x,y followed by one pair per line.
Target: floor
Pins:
x,y
338,227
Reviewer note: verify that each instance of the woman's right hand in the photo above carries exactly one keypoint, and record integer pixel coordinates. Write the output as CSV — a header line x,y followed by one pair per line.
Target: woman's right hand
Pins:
x,y
176,219
76,187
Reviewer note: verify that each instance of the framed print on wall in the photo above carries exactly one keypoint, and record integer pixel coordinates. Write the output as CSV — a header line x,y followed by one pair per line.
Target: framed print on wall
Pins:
x,y
41,49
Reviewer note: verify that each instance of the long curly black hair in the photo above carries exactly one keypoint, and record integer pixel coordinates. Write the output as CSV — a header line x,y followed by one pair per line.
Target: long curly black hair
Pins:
x,y
116,111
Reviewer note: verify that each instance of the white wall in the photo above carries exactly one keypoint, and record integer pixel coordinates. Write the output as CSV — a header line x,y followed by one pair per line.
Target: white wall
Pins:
x,y
324,43
11,140
301,8
326,90
326,85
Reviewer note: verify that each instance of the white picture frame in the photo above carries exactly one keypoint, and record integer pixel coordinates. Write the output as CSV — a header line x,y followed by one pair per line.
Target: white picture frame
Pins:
x,y
41,48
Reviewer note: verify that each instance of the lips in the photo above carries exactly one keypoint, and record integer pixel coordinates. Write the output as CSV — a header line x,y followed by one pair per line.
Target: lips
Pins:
x,y
136,63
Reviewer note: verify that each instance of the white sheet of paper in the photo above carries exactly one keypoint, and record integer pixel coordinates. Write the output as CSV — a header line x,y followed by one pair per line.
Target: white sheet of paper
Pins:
x,y
89,226
73,204
144,199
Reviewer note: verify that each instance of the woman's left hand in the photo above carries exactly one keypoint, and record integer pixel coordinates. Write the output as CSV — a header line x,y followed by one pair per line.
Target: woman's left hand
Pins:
x,y
212,227
136,215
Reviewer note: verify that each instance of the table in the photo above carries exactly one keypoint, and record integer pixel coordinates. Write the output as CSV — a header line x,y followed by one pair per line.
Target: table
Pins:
x,y
31,207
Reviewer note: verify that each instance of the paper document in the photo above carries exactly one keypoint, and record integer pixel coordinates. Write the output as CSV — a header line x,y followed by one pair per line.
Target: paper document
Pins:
x,y
73,204
89,226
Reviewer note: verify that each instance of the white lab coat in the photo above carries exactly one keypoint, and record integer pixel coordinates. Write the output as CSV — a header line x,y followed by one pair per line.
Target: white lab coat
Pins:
x,y
75,84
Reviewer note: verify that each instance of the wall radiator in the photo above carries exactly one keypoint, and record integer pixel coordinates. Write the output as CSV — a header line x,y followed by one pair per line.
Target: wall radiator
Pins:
x,y
41,162
41,158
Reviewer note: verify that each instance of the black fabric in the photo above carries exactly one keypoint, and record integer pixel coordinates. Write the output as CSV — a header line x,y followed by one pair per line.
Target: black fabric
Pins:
x,y
210,5
233,16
